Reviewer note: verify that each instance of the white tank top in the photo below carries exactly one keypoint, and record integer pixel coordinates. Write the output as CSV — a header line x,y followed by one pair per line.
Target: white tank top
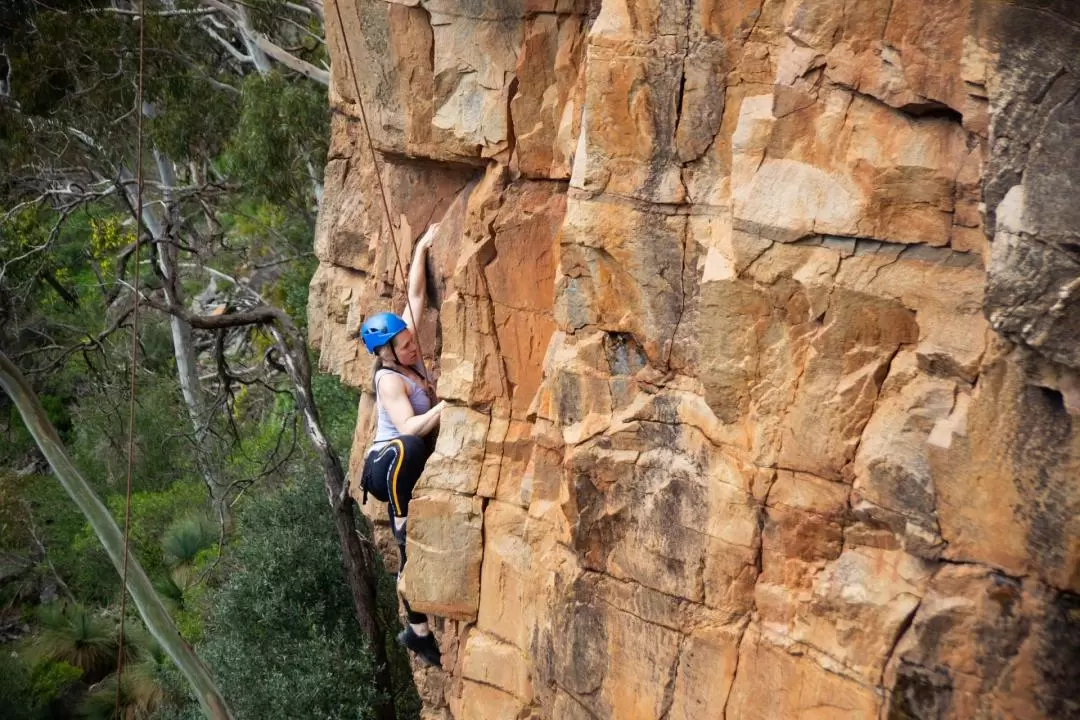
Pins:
x,y
421,403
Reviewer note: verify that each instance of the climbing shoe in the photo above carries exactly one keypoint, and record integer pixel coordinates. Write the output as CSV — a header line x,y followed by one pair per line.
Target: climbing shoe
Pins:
x,y
424,646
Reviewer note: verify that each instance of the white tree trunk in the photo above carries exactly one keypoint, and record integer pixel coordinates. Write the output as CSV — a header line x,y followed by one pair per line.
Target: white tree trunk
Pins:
x,y
261,49
187,367
251,40
316,186
186,361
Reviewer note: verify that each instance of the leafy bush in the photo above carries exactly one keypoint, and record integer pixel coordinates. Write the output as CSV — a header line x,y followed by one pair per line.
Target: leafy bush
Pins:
x,y
60,525
282,127
187,537
52,680
162,454
16,689
35,692
293,288
92,573
281,637
75,635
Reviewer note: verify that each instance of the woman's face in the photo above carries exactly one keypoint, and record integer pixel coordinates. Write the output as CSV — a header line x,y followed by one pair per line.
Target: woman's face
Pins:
x,y
405,348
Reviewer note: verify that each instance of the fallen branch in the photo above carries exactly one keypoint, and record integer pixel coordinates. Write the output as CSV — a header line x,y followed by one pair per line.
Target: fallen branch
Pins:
x,y
152,610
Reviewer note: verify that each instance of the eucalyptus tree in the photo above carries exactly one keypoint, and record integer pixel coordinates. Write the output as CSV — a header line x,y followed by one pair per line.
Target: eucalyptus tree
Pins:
x,y
236,121
70,107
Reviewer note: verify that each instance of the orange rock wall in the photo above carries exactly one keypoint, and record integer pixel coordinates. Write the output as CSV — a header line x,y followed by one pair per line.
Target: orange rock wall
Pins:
x,y
760,325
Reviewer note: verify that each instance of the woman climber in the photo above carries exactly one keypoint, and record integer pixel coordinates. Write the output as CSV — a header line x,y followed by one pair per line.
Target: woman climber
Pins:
x,y
407,417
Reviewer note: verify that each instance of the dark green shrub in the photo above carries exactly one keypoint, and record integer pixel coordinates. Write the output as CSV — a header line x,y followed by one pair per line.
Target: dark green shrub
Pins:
x,y
281,637
45,689
83,559
16,690
55,685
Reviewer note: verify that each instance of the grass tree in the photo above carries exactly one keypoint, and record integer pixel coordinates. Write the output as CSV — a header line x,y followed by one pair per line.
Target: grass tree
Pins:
x,y
142,685
182,543
79,637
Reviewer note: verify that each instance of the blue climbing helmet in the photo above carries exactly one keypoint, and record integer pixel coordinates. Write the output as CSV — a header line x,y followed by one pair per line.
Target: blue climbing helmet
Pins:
x,y
380,329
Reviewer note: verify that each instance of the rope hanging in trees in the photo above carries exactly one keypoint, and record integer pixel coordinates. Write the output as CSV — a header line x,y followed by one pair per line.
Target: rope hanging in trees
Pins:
x,y
378,179
134,348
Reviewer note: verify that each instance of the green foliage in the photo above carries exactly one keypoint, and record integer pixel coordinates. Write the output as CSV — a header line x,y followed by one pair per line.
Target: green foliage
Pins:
x,y
287,604
190,613
295,286
20,235
42,500
193,118
283,126
37,691
107,237
79,68
51,679
337,405
150,512
75,635
164,454
15,439
17,696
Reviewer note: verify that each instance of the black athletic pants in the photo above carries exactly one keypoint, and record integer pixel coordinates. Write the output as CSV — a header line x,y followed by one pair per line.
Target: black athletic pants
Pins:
x,y
390,474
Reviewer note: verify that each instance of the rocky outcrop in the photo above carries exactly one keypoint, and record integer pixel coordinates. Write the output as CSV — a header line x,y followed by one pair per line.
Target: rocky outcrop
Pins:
x,y
759,324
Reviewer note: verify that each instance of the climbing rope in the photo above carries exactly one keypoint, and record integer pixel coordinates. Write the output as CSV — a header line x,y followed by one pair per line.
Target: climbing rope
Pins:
x,y
378,178
134,347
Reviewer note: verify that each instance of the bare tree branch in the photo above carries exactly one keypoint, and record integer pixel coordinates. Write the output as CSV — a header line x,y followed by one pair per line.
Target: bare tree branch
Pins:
x,y
63,292
292,62
241,57
137,14
257,41
262,315
91,343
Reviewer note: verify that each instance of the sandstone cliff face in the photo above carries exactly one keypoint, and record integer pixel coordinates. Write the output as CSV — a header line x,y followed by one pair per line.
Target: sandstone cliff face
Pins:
x,y
760,321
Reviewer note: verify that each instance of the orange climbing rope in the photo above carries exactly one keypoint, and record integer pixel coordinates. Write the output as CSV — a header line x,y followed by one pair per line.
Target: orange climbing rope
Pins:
x,y
378,176
134,349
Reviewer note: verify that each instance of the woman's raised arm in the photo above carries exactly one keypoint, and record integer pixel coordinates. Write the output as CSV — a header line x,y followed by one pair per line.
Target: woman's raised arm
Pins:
x,y
418,279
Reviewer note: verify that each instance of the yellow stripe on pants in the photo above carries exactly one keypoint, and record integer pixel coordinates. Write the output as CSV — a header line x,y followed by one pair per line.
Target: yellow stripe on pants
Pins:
x,y
397,468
